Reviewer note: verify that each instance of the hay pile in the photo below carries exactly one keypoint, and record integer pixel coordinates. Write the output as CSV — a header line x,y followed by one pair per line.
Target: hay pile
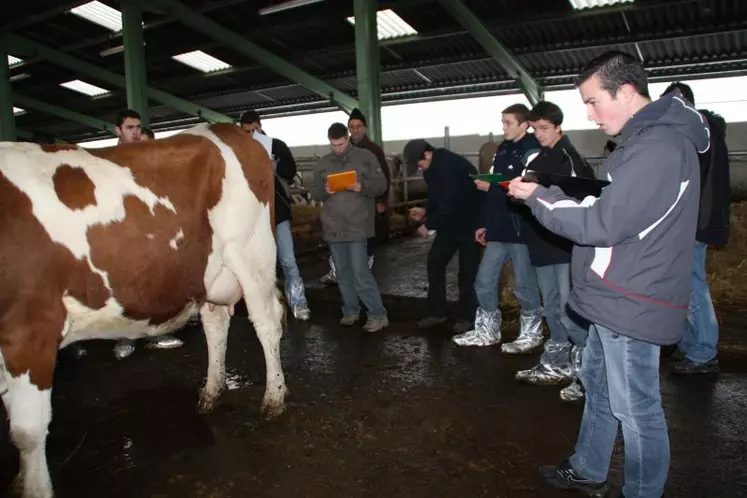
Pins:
x,y
726,267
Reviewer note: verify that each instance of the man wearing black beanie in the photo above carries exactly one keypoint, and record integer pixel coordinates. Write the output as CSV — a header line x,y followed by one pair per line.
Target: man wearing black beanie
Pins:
x,y
357,126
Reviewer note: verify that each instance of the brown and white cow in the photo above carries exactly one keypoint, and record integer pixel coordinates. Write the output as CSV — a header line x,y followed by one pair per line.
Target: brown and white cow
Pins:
x,y
129,242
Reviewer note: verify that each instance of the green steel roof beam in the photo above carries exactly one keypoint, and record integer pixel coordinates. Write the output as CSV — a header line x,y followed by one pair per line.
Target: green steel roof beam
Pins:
x,y
236,42
7,119
33,49
134,58
67,114
480,33
368,66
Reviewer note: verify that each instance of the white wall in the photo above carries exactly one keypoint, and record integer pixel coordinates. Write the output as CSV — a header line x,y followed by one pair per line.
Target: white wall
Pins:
x,y
588,142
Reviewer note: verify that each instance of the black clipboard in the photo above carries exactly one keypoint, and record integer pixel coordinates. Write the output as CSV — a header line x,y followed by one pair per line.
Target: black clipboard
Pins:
x,y
573,186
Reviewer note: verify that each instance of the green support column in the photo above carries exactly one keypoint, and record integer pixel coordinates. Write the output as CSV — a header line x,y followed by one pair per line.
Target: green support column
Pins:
x,y
134,55
237,42
7,120
368,66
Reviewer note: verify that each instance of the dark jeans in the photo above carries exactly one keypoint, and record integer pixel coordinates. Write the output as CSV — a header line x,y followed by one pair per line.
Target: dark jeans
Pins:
x,y
442,250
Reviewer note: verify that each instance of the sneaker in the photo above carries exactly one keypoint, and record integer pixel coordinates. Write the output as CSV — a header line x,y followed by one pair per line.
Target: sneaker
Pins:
x,y
462,326
167,341
430,321
349,320
376,324
563,476
689,367
302,314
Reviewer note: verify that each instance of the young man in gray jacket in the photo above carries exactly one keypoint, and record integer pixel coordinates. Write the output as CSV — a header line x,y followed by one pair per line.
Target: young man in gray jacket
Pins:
x,y
631,270
348,222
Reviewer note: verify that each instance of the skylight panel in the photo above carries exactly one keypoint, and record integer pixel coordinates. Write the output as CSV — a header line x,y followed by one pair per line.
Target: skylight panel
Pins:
x,y
84,88
389,25
201,61
12,61
18,111
590,4
101,14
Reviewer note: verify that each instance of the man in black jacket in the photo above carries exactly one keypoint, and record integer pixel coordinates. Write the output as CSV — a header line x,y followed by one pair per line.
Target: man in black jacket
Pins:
x,y
452,210
551,256
698,346
503,233
285,172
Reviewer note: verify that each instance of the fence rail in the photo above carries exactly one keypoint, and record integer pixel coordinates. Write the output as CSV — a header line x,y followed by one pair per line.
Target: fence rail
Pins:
x,y
402,191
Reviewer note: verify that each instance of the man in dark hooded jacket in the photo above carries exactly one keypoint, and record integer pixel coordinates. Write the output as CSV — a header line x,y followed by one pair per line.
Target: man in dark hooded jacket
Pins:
x,y
698,348
551,256
631,270
285,172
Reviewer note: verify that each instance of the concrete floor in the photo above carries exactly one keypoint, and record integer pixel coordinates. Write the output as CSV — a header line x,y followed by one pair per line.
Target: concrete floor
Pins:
x,y
398,414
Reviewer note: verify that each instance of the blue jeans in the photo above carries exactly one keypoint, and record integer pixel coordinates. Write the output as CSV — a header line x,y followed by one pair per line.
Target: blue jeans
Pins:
x,y
701,331
355,279
555,287
621,377
496,255
287,260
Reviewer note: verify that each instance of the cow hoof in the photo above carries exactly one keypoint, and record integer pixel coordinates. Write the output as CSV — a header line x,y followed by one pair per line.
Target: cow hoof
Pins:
x,y
206,404
207,401
18,491
272,409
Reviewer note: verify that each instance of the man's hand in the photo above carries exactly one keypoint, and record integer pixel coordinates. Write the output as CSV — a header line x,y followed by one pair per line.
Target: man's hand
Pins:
x,y
520,189
329,191
416,214
380,207
423,231
482,185
355,187
480,236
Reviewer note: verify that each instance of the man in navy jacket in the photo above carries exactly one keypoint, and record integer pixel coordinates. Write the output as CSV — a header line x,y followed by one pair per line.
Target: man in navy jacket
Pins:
x,y
452,210
503,232
697,349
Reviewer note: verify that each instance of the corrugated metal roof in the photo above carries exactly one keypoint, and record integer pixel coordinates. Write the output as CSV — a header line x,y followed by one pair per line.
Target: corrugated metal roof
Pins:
x,y
674,37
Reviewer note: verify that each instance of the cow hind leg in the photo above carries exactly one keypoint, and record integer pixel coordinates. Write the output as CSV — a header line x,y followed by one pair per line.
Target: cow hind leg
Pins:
x,y
215,323
4,391
30,411
266,313
255,271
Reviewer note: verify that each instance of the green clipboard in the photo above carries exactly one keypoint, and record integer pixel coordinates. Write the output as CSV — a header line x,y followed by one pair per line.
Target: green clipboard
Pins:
x,y
492,179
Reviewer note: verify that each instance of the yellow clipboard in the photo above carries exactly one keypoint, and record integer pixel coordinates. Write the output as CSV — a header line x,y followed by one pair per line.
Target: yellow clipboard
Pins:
x,y
341,181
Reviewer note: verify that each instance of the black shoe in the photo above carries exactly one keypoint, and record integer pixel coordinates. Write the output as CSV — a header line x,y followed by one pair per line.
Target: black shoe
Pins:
x,y
689,367
462,326
564,477
430,321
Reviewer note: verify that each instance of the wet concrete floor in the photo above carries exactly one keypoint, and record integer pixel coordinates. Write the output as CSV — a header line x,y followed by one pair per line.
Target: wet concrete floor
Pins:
x,y
399,414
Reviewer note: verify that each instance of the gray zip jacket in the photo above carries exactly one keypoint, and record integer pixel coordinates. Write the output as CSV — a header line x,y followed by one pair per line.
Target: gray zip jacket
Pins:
x,y
631,267
349,216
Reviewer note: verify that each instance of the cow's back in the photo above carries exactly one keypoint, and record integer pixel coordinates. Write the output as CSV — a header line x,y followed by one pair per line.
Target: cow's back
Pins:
x,y
124,231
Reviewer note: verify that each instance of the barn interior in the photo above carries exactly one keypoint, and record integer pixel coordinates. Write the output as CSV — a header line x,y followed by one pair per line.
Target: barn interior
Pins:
x,y
404,413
